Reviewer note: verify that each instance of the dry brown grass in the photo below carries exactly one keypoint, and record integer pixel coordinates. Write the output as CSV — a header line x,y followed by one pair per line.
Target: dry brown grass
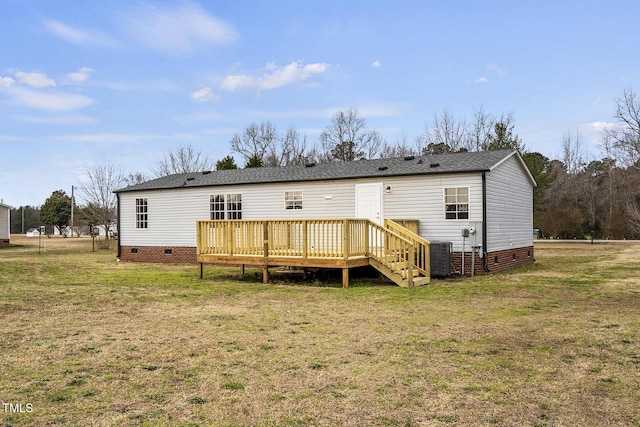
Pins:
x,y
88,341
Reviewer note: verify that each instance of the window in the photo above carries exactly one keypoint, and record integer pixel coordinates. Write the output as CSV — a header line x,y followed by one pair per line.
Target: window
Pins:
x,y
217,206
456,203
226,206
142,217
293,199
234,206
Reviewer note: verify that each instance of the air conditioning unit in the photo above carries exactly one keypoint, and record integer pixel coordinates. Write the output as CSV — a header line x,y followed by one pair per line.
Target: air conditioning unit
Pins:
x,y
440,258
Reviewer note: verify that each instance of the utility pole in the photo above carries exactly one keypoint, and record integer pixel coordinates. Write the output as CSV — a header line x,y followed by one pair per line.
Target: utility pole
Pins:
x,y
73,202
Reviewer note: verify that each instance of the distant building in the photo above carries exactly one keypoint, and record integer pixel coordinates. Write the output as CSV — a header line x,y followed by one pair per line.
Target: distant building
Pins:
x,y
33,232
5,224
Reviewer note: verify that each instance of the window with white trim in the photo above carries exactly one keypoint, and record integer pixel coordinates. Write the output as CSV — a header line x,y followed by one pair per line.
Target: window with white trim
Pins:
x,y
234,206
226,206
142,215
293,199
456,203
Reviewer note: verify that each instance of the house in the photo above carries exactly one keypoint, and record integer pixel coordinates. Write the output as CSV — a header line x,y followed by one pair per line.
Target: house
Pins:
x,y
480,202
5,224
33,232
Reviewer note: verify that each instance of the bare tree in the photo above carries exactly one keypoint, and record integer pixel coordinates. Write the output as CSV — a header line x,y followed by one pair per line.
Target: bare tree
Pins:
x,y
99,198
184,159
446,134
626,137
134,178
400,149
479,130
623,143
572,152
347,138
257,144
294,150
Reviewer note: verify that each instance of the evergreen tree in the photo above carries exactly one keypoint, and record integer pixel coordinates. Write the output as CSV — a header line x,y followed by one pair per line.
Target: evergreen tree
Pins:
x,y
503,137
254,162
56,210
226,163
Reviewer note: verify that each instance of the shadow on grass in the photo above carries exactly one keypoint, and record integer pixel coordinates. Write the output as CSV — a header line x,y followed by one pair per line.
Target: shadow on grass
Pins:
x,y
317,278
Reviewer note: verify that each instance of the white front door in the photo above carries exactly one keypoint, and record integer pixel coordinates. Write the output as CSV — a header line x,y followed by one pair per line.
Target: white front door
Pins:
x,y
369,202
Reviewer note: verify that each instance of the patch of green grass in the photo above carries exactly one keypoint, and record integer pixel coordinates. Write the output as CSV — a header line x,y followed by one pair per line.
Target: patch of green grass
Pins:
x,y
87,338
233,385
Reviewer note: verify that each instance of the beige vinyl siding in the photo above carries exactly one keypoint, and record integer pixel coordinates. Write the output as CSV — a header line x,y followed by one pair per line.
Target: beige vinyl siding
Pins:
x,y
509,206
5,214
420,197
172,214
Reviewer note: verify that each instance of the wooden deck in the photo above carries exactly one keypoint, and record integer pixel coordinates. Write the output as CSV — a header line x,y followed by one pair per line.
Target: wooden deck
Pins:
x,y
397,252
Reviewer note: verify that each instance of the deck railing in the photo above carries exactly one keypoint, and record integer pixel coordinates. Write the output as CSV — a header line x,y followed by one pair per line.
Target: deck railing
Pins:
x,y
421,245
316,238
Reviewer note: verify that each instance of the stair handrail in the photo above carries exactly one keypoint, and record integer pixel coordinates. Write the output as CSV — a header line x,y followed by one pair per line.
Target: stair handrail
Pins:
x,y
422,246
392,245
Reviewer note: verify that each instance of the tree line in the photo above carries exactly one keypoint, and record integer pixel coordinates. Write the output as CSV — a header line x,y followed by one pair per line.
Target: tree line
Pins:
x,y
576,196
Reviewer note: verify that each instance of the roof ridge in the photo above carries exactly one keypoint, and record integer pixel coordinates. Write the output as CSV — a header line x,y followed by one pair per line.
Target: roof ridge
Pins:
x,y
366,168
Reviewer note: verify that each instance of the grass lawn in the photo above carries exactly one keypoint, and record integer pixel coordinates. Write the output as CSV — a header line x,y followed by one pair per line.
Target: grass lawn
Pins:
x,y
88,341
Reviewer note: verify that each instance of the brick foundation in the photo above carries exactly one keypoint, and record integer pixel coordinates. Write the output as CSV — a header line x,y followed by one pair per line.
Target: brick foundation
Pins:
x,y
496,261
169,254
4,242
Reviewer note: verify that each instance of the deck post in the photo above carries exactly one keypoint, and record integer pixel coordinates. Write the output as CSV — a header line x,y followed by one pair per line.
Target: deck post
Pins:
x,y
345,277
265,235
242,270
201,269
305,239
345,238
410,265
228,237
265,267
366,238
198,238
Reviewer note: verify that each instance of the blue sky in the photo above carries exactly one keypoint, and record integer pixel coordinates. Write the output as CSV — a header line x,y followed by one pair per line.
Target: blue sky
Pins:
x,y
83,83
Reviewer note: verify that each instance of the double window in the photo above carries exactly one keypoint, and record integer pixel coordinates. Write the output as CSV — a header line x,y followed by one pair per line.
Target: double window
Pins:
x,y
456,203
226,206
142,215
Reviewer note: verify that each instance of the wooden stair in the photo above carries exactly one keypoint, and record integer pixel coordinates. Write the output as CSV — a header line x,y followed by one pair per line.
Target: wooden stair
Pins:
x,y
400,275
408,266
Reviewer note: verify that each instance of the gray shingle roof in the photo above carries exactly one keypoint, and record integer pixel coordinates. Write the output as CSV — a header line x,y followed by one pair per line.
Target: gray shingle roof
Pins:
x,y
418,165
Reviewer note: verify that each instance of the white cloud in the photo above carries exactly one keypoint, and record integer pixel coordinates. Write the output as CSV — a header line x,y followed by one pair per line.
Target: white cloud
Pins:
x,y
375,64
106,138
37,80
80,76
481,80
600,126
6,82
204,95
176,31
51,101
158,85
274,77
500,71
65,119
77,36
